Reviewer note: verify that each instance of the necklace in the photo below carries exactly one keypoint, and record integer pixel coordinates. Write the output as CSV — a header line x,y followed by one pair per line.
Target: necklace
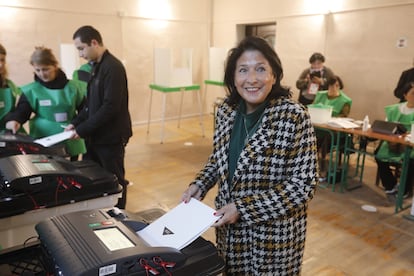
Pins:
x,y
252,129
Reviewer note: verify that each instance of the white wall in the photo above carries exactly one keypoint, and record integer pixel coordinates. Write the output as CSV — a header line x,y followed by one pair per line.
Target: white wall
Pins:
x,y
358,39
127,32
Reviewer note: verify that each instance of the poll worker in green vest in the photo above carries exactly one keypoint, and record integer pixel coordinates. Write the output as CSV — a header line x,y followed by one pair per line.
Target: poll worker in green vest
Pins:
x,y
335,97
52,98
83,75
388,153
341,106
9,92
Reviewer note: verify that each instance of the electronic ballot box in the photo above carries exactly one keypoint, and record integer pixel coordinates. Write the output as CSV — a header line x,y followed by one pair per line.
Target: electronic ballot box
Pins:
x,y
17,144
104,242
35,181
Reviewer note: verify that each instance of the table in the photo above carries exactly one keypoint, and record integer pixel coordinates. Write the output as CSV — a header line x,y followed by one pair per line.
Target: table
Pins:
x,y
167,89
213,82
333,163
398,139
349,132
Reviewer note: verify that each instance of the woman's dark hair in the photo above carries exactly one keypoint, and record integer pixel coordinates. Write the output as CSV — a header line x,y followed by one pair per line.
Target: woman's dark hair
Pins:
x,y
2,50
252,43
333,80
316,56
407,87
3,76
86,34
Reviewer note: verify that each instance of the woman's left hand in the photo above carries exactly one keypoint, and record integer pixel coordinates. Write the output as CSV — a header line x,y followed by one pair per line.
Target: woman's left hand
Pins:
x,y
228,213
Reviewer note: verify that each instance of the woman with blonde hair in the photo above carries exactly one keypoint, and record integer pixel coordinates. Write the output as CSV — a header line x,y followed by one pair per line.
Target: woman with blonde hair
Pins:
x,y
8,90
53,99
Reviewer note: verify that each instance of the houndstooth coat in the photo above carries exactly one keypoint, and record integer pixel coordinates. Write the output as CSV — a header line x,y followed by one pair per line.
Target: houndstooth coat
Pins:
x,y
275,178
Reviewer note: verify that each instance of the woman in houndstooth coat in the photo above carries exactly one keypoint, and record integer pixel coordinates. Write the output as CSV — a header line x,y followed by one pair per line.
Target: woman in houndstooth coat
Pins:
x,y
265,164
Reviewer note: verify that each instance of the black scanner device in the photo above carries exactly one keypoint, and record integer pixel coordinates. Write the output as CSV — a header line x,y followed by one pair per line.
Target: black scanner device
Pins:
x,y
94,242
35,181
15,144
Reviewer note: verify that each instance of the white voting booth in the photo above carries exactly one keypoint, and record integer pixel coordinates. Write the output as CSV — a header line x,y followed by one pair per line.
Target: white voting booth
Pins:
x,y
69,58
216,61
173,75
216,65
165,71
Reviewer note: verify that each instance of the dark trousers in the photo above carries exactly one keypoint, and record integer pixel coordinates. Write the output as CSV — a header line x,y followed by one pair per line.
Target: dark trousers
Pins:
x,y
110,157
323,143
389,180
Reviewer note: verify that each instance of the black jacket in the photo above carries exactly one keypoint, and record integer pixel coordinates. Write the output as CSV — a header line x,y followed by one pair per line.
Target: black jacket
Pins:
x,y
406,77
105,118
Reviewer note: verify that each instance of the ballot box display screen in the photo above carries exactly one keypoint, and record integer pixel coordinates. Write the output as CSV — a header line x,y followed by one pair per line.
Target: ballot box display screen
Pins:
x,y
44,166
113,238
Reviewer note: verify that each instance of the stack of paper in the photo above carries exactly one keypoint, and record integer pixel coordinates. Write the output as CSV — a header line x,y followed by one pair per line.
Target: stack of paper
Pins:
x,y
180,226
342,123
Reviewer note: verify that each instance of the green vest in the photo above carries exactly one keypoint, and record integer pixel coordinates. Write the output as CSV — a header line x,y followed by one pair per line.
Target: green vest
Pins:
x,y
7,101
79,75
394,115
336,103
54,108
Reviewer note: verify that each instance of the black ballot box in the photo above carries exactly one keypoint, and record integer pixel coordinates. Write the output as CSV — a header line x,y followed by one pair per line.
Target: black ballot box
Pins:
x,y
37,181
16,144
104,242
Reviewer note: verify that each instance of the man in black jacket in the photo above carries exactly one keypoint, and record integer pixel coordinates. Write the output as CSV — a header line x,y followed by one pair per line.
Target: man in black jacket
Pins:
x,y
407,76
105,121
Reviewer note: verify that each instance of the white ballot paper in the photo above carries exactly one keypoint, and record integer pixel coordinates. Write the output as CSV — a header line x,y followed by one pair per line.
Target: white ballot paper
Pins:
x,y
180,226
54,139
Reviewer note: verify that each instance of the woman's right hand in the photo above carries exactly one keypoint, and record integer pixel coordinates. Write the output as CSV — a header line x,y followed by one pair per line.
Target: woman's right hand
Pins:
x,y
192,191
14,126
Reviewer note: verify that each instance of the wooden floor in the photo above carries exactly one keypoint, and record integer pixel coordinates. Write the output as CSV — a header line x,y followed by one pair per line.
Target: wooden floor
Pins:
x,y
342,238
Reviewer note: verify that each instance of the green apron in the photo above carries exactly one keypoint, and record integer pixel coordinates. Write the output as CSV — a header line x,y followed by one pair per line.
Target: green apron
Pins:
x,y
54,108
7,101
394,115
336,103
84,68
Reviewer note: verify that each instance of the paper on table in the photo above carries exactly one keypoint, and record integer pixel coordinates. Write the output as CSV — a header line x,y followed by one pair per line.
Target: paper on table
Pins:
x,y
180,226
54,139
342,123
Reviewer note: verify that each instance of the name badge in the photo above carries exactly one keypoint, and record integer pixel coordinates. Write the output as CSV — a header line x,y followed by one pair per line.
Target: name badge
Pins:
x,y
313,88
45,102
61,117
1,104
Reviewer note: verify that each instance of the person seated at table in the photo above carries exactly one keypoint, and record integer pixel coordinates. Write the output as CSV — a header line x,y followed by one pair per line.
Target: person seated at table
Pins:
x,y
335,97
341,106
389,153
